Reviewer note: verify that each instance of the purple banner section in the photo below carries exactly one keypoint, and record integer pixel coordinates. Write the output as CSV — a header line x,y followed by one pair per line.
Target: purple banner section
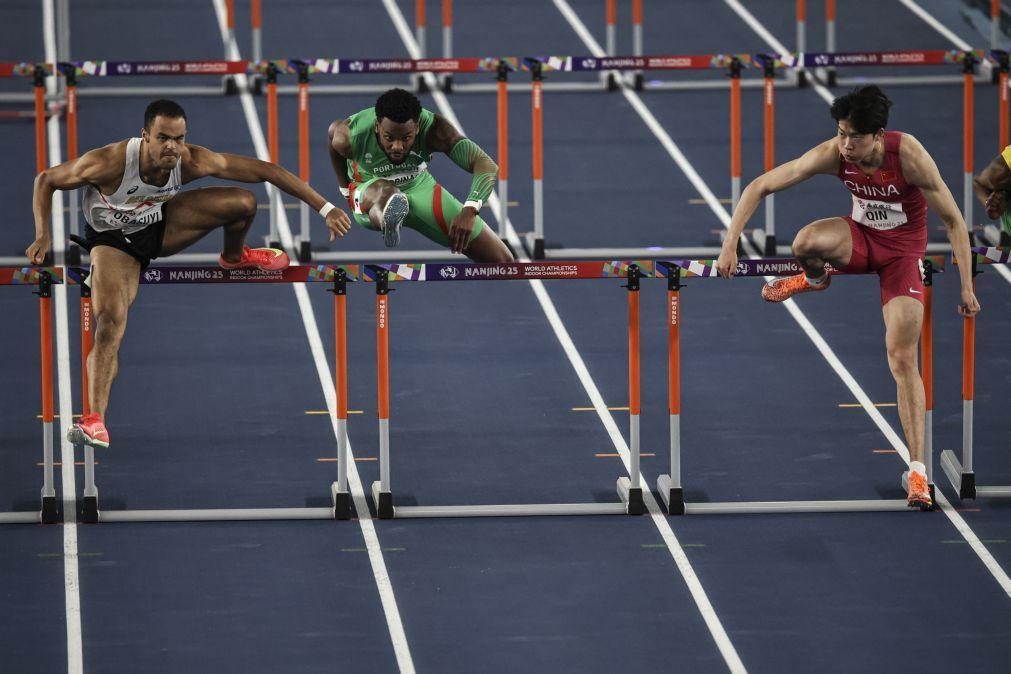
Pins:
x,y
513,271
928,57
130,68
28,276
777,266
773,266
661,62
164,275
992,255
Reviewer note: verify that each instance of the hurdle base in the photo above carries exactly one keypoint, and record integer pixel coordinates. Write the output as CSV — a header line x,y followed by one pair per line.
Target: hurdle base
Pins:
x,y
383,501
631,497
764,242
304,252
89,510
217,515
229,87
768,507
342,504
512,510
964,482
534,246
673,497
50,510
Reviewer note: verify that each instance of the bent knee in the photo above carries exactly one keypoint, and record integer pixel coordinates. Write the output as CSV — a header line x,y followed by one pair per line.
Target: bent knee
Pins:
x,y
902,362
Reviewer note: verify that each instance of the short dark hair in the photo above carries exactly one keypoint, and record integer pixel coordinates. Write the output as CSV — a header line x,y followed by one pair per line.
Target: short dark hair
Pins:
x,y
399,106
164,108
866,108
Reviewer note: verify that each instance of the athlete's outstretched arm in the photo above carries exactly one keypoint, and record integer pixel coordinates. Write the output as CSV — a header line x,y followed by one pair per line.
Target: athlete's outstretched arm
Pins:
x,y
466,154
991,184
95,167
920,170
199,162
823,158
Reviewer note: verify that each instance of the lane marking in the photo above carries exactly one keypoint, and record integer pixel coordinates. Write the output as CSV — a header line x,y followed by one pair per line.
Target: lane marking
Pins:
x,y
382,577
71,572
593,409
860,406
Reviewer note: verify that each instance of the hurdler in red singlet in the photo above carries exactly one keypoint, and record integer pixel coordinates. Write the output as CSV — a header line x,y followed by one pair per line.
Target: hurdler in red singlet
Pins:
x,y
893,180
888,223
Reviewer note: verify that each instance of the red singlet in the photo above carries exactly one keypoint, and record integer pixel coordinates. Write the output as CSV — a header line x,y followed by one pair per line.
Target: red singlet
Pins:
x,y
888,224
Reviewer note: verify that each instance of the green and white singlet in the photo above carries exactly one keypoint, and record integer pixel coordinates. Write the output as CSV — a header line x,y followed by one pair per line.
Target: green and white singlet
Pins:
x,y
432,208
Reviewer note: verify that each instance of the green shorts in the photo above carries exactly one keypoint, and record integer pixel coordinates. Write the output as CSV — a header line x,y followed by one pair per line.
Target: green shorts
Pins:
x,y
432,209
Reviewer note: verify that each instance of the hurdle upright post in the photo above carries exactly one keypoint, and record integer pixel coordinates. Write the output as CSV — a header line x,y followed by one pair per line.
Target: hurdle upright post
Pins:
x,y
537,102
927,370
994,24
256,22
735,132
669,486
304,252
273,194
89,504
968,105
830,72
39,82
341,495
503,147
73,254
447,42
381,490
967,488
420,30
801,39
630,488
1003,66
611,41
769,108
50,511
637,39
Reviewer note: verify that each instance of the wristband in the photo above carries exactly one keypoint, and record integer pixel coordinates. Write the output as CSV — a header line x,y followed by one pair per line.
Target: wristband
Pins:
x,y
476,205
327,207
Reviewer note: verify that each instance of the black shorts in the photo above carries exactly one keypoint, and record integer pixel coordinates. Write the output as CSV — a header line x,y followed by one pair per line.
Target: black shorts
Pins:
x,y
144,245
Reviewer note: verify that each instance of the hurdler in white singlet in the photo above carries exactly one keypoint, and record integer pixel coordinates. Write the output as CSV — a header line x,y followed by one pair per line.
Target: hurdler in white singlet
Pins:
x,y
135,204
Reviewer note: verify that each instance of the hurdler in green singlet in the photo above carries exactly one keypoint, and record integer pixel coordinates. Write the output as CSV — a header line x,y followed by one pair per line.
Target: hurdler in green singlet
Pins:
x,y
401,157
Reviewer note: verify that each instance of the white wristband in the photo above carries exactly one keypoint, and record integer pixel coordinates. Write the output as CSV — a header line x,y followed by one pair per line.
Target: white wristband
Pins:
x,y
327,207
345,192
476,205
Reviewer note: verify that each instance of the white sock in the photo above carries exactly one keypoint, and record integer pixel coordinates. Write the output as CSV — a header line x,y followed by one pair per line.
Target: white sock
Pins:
x,y
918,467
815,281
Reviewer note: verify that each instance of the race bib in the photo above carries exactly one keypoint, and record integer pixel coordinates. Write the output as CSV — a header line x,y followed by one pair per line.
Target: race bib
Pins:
x,y
881,215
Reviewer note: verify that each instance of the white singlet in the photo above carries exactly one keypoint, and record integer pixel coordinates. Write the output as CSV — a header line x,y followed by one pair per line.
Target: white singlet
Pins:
x,y
135,204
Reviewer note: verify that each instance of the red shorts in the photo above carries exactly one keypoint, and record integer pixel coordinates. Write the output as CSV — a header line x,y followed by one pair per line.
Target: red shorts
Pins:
x,y
898,264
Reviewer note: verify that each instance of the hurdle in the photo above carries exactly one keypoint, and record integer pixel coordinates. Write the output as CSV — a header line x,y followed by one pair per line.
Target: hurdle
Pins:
x,y
828,74
341,501
43,278
629,488
961,474
670,485
734,64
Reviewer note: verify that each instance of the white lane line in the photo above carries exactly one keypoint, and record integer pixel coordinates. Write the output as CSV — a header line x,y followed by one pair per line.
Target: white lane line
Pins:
x,y
71,573
956,519
376,559
681,560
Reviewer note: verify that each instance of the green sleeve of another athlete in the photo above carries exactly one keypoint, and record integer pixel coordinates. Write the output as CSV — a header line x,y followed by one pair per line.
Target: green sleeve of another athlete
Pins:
x,y
467,155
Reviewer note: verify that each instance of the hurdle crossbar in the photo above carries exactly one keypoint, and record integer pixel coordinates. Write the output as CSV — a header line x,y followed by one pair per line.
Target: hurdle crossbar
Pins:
x,y
341,501
670,485
961,473
629,489
43,278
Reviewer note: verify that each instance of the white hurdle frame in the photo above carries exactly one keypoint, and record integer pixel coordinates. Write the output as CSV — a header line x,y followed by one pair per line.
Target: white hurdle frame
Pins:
x,y
670,486
629,488
962,474
341,501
